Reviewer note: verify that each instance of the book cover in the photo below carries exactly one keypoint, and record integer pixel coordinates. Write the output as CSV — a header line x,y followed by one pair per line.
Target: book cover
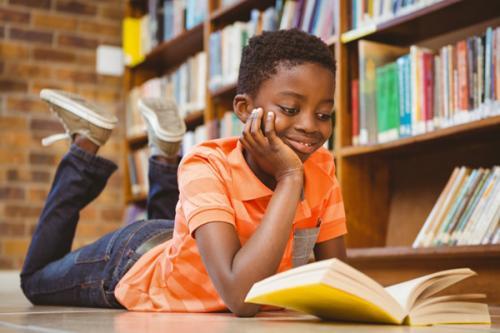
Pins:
x,y
355,111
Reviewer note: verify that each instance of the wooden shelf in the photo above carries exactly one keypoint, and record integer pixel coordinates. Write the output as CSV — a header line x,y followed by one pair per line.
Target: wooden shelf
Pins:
x,y
192,120
227,91
429,253
486,125
172,53
426,22
237,11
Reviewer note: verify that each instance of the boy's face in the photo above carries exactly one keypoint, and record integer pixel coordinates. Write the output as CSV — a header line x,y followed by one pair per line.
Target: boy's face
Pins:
x,y
301,96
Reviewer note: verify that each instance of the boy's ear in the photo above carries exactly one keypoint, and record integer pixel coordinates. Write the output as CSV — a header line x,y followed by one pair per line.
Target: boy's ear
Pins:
x,y
242,106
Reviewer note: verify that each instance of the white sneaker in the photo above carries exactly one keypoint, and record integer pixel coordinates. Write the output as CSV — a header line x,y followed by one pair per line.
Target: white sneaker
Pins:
x,y
78,117
165,126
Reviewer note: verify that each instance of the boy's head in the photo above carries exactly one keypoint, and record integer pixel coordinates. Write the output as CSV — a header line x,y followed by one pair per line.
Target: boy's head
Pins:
x,y
292,74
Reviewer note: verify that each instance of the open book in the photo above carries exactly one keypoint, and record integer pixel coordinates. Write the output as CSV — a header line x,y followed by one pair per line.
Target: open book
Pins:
x,y
333,290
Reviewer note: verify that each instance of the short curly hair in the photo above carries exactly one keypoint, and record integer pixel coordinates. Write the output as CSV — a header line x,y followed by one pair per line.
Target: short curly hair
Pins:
x,y
265,52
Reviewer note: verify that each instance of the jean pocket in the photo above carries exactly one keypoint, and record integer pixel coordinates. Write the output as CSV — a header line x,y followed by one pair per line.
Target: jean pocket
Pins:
x,y
97,251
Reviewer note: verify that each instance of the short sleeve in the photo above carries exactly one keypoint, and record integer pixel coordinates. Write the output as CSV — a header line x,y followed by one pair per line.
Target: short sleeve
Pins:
x,y
203,193
333,221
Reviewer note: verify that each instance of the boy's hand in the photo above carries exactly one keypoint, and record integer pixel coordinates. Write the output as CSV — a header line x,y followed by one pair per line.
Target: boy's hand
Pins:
x,y
271,154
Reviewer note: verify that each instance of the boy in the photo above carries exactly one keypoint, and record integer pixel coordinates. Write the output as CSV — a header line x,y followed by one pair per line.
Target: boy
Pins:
x,y
248,207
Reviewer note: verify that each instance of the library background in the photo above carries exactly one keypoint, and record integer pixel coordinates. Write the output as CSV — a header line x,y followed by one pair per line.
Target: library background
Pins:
x,y
416,129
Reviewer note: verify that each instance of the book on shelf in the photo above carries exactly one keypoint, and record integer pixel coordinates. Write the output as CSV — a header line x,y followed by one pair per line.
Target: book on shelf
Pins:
x,y
435,89
138,166
225,46
365,13
371,55
333,290
467,211
230,125
132,44
185,86
134,212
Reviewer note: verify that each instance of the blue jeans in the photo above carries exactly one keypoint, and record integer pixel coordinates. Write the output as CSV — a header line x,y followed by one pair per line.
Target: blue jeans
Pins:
x,y
54,275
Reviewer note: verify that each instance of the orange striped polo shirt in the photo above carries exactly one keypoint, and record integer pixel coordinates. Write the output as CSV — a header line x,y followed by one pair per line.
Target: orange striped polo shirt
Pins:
x,y
216,184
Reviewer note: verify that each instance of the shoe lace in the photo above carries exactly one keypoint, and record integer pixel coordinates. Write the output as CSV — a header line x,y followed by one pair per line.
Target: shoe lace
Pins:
x,y
47,141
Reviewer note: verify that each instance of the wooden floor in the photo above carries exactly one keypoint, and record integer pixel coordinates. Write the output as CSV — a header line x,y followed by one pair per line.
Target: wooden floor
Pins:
x,y
17,314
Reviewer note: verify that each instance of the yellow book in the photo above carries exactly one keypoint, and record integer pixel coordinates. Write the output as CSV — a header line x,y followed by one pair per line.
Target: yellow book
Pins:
x,y
132,48
333,290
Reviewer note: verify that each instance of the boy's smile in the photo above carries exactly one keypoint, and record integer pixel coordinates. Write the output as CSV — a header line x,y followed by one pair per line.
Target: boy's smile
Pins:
x,y
301,97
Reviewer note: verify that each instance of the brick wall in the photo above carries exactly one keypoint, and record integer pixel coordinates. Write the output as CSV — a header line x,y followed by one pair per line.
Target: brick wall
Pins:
x,y
51,43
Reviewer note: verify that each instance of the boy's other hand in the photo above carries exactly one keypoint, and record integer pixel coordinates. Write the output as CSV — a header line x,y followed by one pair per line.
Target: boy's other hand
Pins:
x,y
271,154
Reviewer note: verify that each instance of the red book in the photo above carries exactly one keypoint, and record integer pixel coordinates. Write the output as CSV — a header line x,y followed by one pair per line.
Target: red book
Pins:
x,y
463,89
355,110
428,84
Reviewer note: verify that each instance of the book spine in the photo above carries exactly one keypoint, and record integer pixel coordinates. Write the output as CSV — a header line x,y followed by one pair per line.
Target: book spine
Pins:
x,y
355,111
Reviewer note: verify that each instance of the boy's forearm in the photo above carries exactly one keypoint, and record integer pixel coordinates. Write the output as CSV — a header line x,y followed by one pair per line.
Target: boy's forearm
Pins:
x,y
262,253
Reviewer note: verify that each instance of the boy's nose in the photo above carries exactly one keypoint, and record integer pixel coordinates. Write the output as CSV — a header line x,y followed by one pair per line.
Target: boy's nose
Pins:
x,y
306,123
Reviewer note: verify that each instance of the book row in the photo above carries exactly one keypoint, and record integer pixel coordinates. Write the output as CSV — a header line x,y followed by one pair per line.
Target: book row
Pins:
x,y
225,45
370,12
402,91
467,211
164,20
185,86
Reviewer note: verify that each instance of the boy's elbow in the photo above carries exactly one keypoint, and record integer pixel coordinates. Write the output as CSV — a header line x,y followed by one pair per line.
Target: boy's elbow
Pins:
x,y
244,310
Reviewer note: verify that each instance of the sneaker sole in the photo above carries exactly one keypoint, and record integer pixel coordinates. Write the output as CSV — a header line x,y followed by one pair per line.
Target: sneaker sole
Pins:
x,y
53,97
153,120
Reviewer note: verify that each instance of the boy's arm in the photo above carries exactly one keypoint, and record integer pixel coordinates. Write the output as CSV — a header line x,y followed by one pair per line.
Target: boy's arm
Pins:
x,y
233,268
333,248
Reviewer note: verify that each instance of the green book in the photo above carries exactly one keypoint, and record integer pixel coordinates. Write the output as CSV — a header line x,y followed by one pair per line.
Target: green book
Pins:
x,y
387,102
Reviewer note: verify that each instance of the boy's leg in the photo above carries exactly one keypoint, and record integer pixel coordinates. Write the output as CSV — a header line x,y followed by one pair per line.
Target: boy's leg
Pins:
x,y
80,177
165,132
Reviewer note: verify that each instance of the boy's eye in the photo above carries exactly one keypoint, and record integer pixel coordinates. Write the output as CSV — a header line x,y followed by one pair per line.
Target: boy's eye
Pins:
x,y
324,116
288,110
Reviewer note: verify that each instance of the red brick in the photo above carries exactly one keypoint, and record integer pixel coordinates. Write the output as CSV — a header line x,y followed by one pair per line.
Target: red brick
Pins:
x,y
37,195
36,86
7,262
26,104
23,69
13,123
87,59
42,158
17,16
13,50
77,41
60,22
46,124
9,192
12,229
32,36
16,140
48,54
75,75
40,176
31,3
108,29
15,247
76,7
2,32
26,210
9,156
111,12
8,86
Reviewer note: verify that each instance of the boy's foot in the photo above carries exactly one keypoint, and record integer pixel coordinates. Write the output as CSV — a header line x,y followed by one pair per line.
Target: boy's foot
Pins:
x,y
165,126
78,117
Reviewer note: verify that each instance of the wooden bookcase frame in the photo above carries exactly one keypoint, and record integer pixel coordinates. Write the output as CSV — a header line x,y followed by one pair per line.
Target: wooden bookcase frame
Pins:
x,y
389,188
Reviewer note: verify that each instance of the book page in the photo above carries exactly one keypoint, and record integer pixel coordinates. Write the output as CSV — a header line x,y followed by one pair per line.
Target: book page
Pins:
x,y
406,293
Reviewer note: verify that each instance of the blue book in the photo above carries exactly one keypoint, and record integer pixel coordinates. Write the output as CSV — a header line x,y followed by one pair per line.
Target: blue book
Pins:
x,y
168,19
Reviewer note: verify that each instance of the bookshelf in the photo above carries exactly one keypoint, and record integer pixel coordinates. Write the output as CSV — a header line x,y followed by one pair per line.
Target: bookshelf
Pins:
x,y
388,188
